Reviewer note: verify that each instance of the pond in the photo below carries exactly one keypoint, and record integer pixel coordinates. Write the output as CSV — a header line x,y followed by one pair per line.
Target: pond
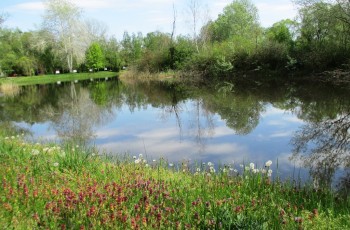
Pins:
x,y
303,129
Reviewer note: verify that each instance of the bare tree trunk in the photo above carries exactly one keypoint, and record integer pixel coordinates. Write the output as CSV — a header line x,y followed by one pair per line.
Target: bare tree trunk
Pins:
x,y
194,8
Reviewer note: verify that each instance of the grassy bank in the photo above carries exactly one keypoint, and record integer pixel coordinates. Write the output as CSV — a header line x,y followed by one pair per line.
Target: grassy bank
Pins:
x,y
46,79
50,187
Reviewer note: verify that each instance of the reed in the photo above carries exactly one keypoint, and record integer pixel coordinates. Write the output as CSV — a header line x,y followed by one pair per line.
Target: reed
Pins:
x,y
10,89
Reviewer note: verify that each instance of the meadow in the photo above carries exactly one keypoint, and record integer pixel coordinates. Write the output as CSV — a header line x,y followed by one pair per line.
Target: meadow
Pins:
x,y
46,186
54,78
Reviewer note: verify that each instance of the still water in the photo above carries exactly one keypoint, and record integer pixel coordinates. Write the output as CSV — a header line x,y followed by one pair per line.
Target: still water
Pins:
x,y
304,129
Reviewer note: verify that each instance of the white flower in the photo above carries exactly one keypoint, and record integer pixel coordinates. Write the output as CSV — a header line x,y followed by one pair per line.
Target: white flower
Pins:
x,y
235,170
140,155
255,170
147,165
35,152
269,172
55,164
12,137
134,157
263,171
154,160
198,169
171,164
241,165
252,166
6,138
268,163
93,154
212,169
210,164
144,161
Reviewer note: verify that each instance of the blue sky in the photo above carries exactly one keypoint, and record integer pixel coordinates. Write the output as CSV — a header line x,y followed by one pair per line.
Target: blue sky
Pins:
x,y
140,15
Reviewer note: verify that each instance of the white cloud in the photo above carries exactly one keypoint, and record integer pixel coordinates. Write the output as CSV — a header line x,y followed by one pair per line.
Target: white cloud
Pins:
x,y
32,6
282,134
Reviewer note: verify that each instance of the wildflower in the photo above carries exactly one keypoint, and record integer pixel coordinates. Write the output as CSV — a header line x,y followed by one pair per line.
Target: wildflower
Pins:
x,y
268,163
140,155
154,160
252,166
6,138
171,164
255,171
210,164
241,165
93,154
12,137
134,157
263,171
212,169
144,161
269,172
55,164
147,165
35,152
137,161
198,169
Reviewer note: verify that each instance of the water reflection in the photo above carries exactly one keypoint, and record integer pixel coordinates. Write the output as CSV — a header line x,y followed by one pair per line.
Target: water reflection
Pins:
x,y
324,146
76,116
178,121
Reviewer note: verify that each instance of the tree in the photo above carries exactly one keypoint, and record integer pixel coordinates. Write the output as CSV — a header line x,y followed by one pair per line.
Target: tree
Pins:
x,y
63,20
324,34
94,56
282,31
239,20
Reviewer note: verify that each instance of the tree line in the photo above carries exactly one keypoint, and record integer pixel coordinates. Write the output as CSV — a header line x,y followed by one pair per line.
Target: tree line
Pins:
x,y
317,40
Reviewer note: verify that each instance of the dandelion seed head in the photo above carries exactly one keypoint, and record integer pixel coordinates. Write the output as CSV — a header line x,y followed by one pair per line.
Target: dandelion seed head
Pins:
x,y
55,164
268,163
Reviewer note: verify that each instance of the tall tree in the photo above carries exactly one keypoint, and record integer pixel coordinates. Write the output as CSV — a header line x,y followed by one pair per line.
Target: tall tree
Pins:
x,y
94,56
63,20
239,20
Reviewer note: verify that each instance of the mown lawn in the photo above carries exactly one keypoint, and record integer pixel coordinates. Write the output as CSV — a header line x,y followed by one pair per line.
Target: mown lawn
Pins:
x,y
46,79
67,187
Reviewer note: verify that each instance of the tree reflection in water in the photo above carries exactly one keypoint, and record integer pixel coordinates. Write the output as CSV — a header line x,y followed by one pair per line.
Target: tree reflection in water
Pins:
x,y
70,119
324,147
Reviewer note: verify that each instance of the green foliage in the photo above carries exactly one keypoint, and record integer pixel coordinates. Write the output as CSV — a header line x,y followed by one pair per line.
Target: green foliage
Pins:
x,y
47,186
239,19
94,56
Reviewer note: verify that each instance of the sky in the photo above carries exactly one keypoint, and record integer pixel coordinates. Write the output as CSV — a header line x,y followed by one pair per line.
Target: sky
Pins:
x,y
141,15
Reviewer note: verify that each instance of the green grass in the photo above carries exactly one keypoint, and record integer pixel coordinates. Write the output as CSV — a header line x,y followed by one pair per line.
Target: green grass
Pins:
x,y
50,187
47,79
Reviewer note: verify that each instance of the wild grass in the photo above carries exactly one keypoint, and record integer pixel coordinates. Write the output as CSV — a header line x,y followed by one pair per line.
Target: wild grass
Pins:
x,y
67,187
9,89
47,79
131,75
